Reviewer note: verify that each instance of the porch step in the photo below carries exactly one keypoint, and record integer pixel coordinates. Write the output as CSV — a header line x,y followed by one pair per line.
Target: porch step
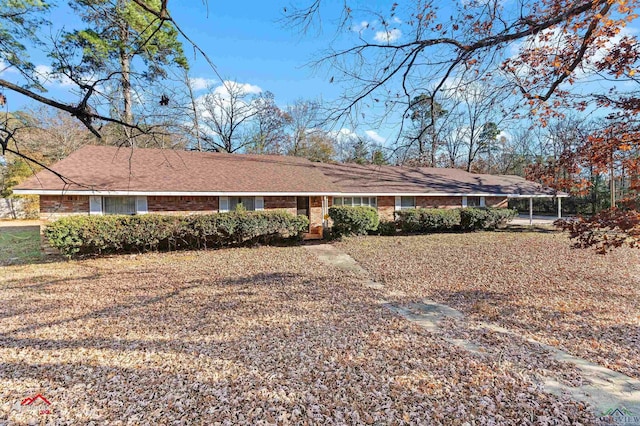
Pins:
x,y
311,236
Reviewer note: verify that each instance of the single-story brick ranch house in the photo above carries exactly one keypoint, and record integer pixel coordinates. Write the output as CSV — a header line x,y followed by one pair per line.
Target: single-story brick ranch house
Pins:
x,y
110,180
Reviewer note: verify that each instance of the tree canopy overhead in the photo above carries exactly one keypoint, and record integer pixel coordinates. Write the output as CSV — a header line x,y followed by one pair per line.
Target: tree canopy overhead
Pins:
x,y
391,54
545,54
119,47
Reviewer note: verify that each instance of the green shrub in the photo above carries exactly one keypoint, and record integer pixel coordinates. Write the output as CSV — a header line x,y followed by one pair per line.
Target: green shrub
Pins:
x,y
386,228
353,220
113,234
472,219
428,220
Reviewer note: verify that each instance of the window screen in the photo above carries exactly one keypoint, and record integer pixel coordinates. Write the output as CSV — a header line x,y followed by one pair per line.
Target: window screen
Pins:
x,y
248,203
473,201
407,203
119,205
355,201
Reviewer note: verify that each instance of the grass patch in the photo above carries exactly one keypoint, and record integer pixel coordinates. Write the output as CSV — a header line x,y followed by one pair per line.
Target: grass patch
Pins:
x,y
19,246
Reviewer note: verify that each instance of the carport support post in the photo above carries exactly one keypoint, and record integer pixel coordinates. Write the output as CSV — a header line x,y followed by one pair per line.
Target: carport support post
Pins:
x,y
559,208
530,211
325,211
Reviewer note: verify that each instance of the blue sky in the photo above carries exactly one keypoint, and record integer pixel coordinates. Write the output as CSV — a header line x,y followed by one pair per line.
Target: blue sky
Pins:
x,y
246,40
250,43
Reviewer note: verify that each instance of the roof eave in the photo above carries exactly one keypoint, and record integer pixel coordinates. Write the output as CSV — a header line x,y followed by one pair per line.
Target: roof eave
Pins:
x,y
276,193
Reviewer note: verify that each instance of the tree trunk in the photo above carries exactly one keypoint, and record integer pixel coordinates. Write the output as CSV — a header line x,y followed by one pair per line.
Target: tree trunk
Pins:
x,y
125,68
613,184
196,123
126,88
434,148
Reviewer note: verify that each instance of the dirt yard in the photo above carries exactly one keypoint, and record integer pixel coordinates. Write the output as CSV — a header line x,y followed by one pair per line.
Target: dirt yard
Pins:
x,y
269,335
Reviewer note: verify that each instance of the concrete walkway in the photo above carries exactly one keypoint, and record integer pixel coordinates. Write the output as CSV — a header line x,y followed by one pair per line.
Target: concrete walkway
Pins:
x,y
19,225
603,389
523,220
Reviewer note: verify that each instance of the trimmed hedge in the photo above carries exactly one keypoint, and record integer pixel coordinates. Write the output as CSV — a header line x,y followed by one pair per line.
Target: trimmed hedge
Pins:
x,y
353,220
386,228
485,218
418,221
428,220
113,234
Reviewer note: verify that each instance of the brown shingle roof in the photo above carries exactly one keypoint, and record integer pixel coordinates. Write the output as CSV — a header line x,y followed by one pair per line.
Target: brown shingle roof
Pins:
x,y
104,168
371,179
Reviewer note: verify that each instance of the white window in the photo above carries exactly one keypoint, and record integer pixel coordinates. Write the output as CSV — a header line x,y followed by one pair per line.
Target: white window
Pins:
x,y
249,203
228,204
407,203
473,201
119,205
355,201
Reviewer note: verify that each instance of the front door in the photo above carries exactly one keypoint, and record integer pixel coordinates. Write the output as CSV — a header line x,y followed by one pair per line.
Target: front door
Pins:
x,y
303,206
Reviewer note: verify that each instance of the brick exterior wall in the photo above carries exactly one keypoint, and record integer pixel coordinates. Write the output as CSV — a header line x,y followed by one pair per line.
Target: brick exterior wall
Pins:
x,y
53,207
182,204
439,202
386,207
501,202
283,203
315,211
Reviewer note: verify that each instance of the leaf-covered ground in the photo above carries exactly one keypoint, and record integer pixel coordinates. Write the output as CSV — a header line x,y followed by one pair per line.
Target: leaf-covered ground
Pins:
x,y
240,336
532,283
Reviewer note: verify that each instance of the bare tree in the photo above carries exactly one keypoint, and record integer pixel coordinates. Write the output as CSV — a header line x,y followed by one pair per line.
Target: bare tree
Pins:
x,y
194,113
304,121
51,133
268,135
454,132
228,110
479,109
23,25
412,47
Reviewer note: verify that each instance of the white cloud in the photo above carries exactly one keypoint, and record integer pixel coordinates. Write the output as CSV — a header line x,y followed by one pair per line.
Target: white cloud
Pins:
x,y
388,36
43,72
457,88
358,28
6,68
556,41
375,136
241,88
344,139
45,75
503,136
344,135
218,100
199,83
396,20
